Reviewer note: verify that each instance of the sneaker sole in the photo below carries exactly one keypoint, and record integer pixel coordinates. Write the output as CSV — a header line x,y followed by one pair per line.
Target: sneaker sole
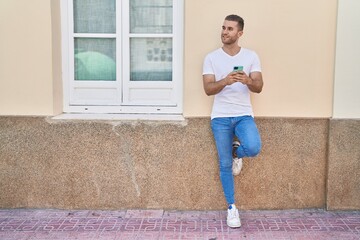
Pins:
x,y
233,226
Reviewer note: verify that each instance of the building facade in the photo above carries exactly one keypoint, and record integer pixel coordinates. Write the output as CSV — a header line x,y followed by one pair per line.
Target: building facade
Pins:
x,y
102,106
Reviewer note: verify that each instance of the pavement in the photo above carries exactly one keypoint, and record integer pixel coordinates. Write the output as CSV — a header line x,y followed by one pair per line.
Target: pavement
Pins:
x,y
133,224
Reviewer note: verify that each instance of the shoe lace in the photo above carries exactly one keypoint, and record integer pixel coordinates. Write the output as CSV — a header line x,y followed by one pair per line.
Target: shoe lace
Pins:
x,y
233,213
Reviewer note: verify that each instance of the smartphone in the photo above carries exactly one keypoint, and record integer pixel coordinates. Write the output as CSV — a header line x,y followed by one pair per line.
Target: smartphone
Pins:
x,y
238,68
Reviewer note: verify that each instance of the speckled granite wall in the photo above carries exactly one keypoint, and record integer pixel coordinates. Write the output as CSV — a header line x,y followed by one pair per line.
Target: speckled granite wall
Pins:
x,y
119,165
344,165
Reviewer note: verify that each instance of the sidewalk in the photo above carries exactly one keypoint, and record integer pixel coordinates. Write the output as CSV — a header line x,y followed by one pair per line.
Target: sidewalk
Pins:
x,y
159,224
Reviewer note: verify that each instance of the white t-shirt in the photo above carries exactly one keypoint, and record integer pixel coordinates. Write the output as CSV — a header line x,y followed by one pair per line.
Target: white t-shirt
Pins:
x,y
233,100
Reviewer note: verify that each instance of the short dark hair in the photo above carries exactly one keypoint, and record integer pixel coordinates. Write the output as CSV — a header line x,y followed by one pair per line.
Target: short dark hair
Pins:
x,y
236,18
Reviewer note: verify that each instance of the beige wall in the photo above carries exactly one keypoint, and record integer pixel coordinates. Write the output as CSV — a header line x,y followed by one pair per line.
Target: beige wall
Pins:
x,y
56,57
26,58
295,41
347,70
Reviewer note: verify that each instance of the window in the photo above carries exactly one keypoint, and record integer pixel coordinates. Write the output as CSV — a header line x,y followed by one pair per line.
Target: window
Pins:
x,y
122,56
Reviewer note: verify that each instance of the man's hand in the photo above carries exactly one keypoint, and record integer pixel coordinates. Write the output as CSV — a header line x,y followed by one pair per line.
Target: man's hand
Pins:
x,y
240,76
234,77
254,81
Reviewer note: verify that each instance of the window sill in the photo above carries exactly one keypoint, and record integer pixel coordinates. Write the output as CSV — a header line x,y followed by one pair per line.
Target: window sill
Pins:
x,y
119,117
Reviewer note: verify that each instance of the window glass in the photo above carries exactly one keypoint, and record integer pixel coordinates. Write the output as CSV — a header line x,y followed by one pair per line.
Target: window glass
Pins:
x,y
94,16
151,59
95,59
151,16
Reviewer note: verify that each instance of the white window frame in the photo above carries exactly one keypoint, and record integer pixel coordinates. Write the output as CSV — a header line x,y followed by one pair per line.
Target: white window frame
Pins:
x,y
174,105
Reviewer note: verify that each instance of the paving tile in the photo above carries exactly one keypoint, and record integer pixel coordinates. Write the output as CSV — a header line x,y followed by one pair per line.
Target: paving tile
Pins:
x,y
144,214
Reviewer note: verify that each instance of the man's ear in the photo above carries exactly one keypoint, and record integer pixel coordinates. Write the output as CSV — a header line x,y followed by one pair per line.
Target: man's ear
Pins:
x,y
240,33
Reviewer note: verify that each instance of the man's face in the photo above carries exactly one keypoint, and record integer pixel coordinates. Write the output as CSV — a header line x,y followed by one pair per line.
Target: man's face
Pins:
x,y
230,32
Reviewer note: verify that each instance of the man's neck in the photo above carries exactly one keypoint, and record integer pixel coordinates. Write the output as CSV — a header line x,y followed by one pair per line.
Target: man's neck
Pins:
x,y
232,50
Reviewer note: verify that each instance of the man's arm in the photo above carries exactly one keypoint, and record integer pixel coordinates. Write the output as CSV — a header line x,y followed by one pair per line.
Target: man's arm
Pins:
x,y
254,81
212,87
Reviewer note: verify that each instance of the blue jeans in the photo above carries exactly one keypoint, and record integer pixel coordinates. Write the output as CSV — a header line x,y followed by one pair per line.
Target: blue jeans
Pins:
x,y
224,130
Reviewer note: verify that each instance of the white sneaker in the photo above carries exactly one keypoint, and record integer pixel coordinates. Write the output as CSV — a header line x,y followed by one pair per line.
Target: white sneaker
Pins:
x,y
237,166
233,219
237,162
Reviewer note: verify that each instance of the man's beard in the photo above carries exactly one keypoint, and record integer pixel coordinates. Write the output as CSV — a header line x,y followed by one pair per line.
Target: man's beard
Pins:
x,y
227,40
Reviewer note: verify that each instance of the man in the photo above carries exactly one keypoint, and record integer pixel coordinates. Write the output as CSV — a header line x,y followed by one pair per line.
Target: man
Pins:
x,y
230,73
